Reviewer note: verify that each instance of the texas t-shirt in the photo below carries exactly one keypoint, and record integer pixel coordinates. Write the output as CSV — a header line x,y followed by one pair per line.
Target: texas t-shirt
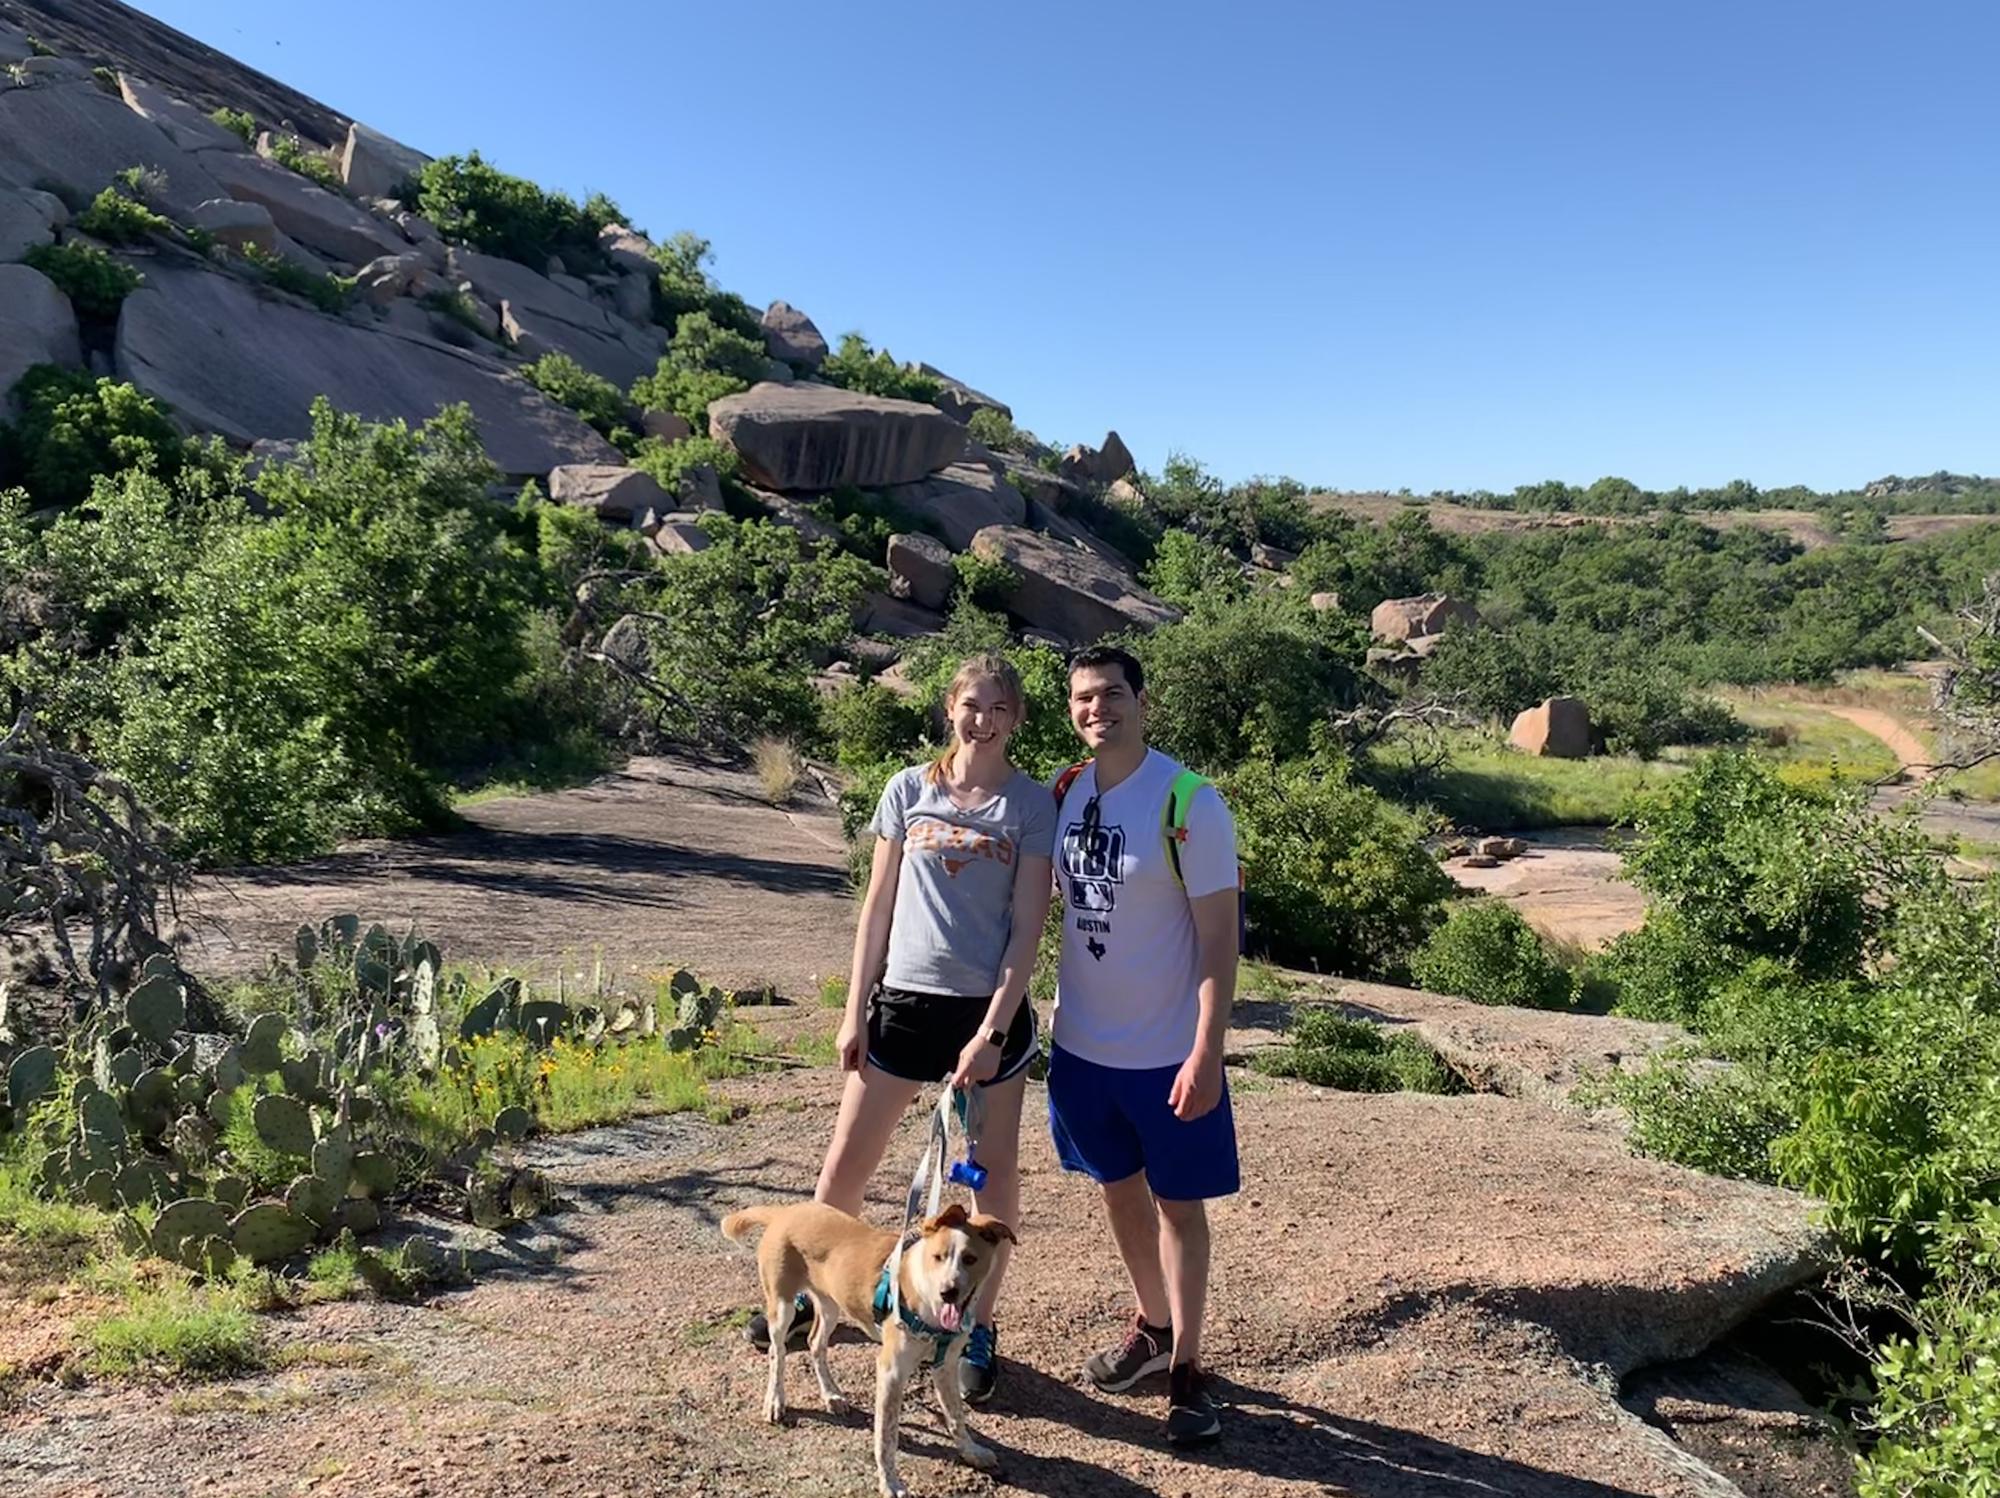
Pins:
x,y
955,895
1128,994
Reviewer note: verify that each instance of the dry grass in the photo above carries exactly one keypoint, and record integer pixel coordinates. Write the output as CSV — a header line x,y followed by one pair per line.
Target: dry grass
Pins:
x,y
779,769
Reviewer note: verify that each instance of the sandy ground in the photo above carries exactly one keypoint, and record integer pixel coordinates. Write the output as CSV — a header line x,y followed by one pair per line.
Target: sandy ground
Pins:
x,y
1567,886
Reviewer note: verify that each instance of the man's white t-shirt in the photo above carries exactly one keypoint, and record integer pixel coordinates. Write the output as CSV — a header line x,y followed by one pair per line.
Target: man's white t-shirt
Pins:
x,y
1128,994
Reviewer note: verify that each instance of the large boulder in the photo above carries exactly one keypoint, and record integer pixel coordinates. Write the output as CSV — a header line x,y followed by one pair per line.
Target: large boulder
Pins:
x,y
628,249
961,501
37,326
921,570
374,166
817,437
237,225
791,336
607,490
25,221
1558,728
543,317
1098,465
320,220
69,131
245,365
1062,528
898,618
186,126
1034,481
1069,592
1398,619
959,400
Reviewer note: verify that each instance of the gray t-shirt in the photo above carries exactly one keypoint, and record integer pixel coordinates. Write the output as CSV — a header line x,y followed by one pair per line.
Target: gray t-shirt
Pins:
x,y
955,896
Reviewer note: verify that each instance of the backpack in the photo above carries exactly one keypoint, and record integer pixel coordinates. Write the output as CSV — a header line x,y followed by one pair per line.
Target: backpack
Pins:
x,y
1173,830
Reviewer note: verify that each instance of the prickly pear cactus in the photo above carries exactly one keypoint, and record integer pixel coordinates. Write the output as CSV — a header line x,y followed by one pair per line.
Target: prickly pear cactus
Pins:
x,y
266,1232
155,1010
260,1052
314,1199
190,1217
333,1162
540,1021
486,1016
284,1124
32,1074
513,1123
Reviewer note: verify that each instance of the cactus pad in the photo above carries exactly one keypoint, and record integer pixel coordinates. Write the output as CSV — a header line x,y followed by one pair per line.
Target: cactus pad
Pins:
x,y
314,1199
260,1053
231,1191
513,1123
284,1124
100,1189
333,1162
156,1010
141,1183
227,1074
305,947
540,1021
99,1114
484,1017
32,1074
266,1232
123,1069
191,1217
374,1174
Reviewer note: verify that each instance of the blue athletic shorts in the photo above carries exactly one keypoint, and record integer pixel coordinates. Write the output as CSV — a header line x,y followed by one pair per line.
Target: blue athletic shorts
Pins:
x,y
1112,1122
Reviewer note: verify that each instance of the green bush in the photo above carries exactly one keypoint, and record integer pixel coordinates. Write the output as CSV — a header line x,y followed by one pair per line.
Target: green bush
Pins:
x,y
684,285
1485,952
329,293
1723,1122
474,203
1663,971
996,429
73,427
869,724
687,393
1338,878
308,161
238,121
94,282
1329,1050
1212,708
856,366
705,361
1937,1411
988,582
591,396
1187,571
669,462
700,342
117,219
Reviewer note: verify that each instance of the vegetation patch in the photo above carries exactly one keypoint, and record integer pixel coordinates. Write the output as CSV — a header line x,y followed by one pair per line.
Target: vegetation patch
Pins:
x,y
1486,952
1329,1050
95,283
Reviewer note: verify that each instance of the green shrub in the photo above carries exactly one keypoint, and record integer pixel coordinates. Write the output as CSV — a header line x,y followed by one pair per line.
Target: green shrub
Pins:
x,y
329,293
1338,878
988,582
1663,971
239,121
591,396
474,203
459,306
856,366
1723,1122
869,724
669,462
996,429
117,219
685,392
700,342
94,282
1485,952
307,161
73,427
1937,1411
178,1331
1187,571
683,285
1329,1050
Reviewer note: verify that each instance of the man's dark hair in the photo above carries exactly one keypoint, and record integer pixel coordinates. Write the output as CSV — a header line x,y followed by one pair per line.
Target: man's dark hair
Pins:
x,y
1099,657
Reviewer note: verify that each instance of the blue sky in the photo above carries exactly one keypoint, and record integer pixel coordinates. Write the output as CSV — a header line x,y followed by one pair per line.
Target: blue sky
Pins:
x,y
1461,244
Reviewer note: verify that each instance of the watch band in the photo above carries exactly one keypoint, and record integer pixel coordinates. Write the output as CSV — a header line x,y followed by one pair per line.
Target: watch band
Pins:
x,y
995,1036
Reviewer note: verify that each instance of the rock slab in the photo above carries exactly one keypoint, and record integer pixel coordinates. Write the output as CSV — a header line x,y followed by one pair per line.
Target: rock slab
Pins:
x,y
1558,728
961,501
1402,619
792,336
811,438
37,326
248,366
920,570
1071,593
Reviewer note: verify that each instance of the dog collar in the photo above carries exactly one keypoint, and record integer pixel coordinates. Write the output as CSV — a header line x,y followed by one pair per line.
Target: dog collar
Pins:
x,y
941,1339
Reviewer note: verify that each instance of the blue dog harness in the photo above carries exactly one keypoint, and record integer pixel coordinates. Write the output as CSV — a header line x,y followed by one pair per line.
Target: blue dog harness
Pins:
x,y
954,1106
941,1339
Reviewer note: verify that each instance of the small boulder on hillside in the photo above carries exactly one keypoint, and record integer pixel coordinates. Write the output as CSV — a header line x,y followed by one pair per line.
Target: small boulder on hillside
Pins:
x,y
959,400
375,166
1325,603
1558,728
238,225
543,317
920,569
791,336
627,249
37,326
610,492
1069,592
961,501
320,220
812,438
665,425
1398,619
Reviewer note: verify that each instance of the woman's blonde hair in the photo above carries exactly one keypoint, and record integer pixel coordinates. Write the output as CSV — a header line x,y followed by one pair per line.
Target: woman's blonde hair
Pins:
x,y
985,667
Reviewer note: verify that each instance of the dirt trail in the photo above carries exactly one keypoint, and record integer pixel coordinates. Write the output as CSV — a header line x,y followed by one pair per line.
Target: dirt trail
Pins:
x,y
667,861
1909,750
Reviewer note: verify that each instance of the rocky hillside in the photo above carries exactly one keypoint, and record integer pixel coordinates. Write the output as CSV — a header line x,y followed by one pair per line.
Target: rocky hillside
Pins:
x,y
167,219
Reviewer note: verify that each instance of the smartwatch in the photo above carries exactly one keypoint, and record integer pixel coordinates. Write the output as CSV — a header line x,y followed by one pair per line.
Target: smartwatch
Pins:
x,y
995,1037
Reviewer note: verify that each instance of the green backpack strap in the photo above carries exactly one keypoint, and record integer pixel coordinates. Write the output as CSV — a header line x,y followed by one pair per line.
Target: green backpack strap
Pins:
x,y
1173,826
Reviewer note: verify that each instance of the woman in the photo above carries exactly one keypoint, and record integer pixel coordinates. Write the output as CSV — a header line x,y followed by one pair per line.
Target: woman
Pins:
x,y
948,929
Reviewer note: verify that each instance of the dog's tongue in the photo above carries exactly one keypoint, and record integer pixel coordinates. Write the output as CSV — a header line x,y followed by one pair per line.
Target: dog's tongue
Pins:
x,y
948,1316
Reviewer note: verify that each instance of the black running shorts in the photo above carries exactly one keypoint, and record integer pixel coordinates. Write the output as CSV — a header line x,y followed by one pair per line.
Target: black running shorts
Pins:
x,y
918,1036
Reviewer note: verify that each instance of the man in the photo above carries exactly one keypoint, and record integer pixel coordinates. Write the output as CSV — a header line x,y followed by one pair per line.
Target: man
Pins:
x,y
1146,873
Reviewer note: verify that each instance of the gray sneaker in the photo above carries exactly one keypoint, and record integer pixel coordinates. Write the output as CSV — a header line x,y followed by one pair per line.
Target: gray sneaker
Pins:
x,y
1146,1349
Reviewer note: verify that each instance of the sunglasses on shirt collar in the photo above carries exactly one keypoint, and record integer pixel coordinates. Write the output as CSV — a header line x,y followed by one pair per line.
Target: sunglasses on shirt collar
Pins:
x,y
1089,819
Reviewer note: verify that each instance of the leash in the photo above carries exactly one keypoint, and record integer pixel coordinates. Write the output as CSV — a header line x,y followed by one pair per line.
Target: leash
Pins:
x,y
965,1108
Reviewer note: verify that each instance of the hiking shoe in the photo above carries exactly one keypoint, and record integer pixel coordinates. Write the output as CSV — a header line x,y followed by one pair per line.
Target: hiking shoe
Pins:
x,y
1146,1349
1191,1416
758,1330
979,1366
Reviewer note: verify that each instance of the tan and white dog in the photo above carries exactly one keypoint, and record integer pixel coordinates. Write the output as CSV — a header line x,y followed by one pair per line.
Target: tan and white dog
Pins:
x,y
838,1260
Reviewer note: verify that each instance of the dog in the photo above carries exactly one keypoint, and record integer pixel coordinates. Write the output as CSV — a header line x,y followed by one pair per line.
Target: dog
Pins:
x,y
840,1261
